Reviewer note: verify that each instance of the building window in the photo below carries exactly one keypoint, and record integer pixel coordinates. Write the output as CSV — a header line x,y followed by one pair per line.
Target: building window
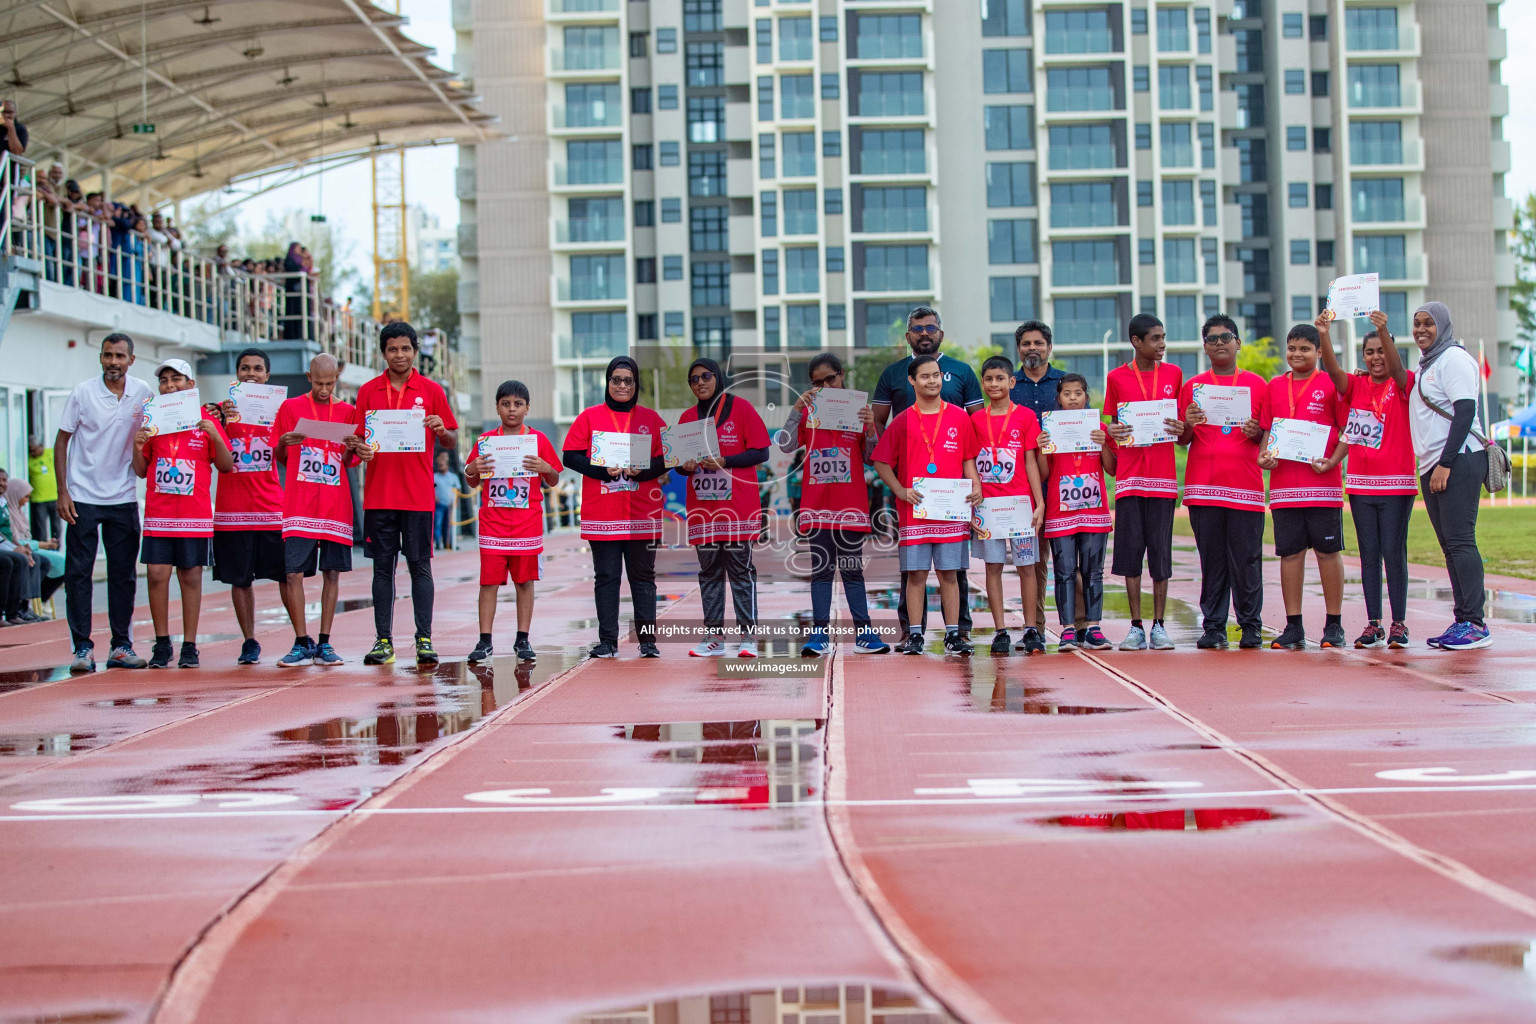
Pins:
x,y
887,93
829,28
798,98
639,101
645,326
1178,148
1203,29
765,98
1325,256
671,268
1253,214
645,213
1301,252
598,335
708,228
597,277
1301,308
832,143
1324,197
712,334
802,271
890,268
889,151
671,154
832,201
1178,203
674,324
1203,79
1296,195
893,210
887,36
1292,26
706,173
1138,21
1209,254
1182,321
799,211
831,86
1250,49
1087,262
802,326
1318,26
1009,127
671,211
592,105
1173,87
1172,29
1009,184
1376,142
1295,82
1144,193
1076,147
837,316
795,40
1319,83
1081,88
1146,252
771,328
768,213
1207,145
764,27
1370,28
1006,18
706,118
1088,204
1011,241
1141,78
1005,71
1179,261
642,157
666,40
1375,200
799,154
1143,135
1296,138
1086,31
1375,85
767,148
770,271
1252,164
880,323
597,220
701,16
836,259
711,284
1208,203
1322,140
1012,299
637,45
597,162
705,64
1083,320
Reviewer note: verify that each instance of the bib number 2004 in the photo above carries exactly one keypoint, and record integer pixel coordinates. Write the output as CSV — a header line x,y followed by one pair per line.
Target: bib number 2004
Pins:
x,y
1079,493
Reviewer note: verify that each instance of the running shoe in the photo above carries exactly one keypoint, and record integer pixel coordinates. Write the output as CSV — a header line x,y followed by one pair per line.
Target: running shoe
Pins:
x,y
1002,643
84,660
816,645
1466,636
869,642
1135,640
1397,638
1434,641
648,649
1252,639
1333,635
300,654
1292,638
482,652
160,656
714,647
604,650
524,650
123,657
250,652
1160,638
325,655
1213,639
747,649
383,652
1068,640
425,654
1094,639
1033,642
1372,636
913,644
189,658
25,617
957,643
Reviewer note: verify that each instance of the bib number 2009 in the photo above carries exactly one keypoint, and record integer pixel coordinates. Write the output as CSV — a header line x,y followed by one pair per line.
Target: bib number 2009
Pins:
x,y
1079,493
995,465
319,466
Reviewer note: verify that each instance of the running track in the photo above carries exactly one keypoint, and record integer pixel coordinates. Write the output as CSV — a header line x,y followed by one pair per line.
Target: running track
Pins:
x,y
1240,836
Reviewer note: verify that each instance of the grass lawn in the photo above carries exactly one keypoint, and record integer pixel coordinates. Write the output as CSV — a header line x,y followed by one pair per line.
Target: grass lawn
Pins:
x,y
1504,536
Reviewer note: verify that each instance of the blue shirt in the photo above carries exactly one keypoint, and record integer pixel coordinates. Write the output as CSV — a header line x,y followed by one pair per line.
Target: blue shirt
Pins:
x,y
1040,397
895,388
444,484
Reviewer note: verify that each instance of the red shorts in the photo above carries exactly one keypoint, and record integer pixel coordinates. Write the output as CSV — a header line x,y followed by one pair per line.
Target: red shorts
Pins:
x,y
496,567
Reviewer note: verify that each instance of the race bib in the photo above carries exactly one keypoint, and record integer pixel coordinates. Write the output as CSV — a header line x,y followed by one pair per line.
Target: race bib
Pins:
x,y
712,485
174,476
252,454
1079,493
1364,428
996,465
829,466
508,492
319,466
620,485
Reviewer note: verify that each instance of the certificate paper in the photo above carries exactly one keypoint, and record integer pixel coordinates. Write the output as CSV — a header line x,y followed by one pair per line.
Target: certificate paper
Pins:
x,y
507,452
689,442
943,499
396,430
620,451
325,430
1011,516
836,409
1146,421
257,403
1070,430
1298,440
1354,295
174,413
1223,404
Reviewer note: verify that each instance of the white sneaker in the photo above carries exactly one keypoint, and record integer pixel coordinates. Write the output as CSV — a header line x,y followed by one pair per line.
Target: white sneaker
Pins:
x,y
748,649
714,647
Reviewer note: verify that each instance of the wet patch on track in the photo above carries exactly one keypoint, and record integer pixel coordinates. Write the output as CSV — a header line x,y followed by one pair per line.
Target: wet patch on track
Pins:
x,y
1189,819
792,1004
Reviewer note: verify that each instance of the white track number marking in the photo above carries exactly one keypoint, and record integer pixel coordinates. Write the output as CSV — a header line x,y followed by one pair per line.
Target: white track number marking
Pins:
x,y
618,795
984,788
1450,775
161,802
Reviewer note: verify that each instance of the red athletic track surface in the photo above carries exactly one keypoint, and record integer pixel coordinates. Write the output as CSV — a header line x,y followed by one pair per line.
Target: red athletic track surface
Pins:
x,y
1179,837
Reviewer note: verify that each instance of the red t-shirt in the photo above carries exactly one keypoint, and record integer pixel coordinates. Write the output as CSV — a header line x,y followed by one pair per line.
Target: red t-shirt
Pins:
x,y
911,443
1002,441
1223,466
1076,496
317,497
723,504
621,509
832,492
1148,471
512,508
1296,484
1389,469
178,498
402,480
250,498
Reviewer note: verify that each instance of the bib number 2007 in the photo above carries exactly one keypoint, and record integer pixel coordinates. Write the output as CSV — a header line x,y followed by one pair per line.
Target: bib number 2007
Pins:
x,y
174,476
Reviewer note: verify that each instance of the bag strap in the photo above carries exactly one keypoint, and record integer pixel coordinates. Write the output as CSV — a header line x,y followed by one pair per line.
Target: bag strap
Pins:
x,y
1438,409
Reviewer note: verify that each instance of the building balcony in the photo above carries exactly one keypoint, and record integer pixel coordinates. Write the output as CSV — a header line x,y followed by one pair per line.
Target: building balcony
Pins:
x,y
581,10
561,175
1409,100
582,236
738,65
738,179
1500,162
1410,216
1498,43
1498,100
1404,47
585,120
597,347
1503,213
1504,270
743,291
584,63
743,235
1409,157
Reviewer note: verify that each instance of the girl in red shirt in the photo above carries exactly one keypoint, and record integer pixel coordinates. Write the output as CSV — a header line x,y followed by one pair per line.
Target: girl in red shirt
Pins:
x,y
1077,521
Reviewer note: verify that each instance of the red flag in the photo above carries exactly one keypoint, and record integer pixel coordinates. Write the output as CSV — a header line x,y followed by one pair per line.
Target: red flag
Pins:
x,y
1483,362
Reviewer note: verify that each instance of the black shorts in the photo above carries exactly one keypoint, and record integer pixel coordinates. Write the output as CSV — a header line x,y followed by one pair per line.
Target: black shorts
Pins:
x,y
1296,529
241,557
182,552
388,532
1143,526
306,554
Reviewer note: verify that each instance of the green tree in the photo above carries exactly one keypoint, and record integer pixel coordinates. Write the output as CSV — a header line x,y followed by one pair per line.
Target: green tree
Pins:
x,y
1260,357
435,300
1522,297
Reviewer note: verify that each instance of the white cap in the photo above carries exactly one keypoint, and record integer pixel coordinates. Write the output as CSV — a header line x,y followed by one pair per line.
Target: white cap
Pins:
x,y
181,366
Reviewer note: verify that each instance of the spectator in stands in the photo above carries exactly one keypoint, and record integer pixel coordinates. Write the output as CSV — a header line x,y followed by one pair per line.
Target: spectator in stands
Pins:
x,y
12,131
429,352
294,284
159,252
58,225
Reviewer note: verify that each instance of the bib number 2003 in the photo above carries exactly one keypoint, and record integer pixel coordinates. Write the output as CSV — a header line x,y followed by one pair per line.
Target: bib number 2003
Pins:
x,y
508,492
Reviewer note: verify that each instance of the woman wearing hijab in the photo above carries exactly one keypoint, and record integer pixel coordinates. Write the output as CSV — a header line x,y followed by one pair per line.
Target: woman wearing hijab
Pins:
x,y
620,506
1452,464
723,509
22,575
295,282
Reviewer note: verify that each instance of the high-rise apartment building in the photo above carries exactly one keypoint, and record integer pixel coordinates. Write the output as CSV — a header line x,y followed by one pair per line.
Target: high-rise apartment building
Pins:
x,y
794,175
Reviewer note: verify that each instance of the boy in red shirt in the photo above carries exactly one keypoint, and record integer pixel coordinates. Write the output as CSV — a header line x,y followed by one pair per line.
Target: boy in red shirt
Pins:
x,y
178,515
1306,499
511,519
1146,479
1224,491
248,510
930,440
398,497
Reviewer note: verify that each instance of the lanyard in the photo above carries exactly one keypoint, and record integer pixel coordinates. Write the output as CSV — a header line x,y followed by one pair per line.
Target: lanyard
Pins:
x,y
992,431
1143,384
618,429
933,464
316,409
1378,398
1290,392
389,388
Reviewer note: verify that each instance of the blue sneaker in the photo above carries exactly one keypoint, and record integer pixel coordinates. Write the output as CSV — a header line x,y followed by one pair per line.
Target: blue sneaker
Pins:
x,y
869,642
250,653
1434,641
1068,640
325,655
1466,636
301,654
816,645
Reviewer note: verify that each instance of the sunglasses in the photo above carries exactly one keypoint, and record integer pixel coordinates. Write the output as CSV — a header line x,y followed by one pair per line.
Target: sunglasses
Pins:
x,y
700,378
826,381
622,382
925,329
1220,339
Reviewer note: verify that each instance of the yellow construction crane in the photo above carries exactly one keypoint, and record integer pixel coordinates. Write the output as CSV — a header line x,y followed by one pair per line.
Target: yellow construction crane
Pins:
x,y
391,264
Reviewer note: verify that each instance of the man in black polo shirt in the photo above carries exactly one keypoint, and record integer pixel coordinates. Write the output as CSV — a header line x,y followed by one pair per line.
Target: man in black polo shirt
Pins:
x,y
894,393
13,134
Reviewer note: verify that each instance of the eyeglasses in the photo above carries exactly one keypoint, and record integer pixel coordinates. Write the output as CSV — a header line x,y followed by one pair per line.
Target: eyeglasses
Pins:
x,y
622,382
700,378
924,329
1220,339
824,382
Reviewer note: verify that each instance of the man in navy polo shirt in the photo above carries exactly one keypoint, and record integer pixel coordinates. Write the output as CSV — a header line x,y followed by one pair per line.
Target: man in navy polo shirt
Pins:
x,y
894,392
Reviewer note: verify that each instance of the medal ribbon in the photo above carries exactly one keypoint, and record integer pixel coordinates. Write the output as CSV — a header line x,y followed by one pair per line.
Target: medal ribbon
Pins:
x,y
922,432
1290,392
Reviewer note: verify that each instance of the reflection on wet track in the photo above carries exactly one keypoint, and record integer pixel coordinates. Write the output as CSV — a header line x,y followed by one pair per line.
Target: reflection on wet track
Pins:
x,y
809,1004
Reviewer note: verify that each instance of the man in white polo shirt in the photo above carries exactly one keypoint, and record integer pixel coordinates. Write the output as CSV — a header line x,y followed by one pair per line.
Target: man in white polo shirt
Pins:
x,y
98,498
